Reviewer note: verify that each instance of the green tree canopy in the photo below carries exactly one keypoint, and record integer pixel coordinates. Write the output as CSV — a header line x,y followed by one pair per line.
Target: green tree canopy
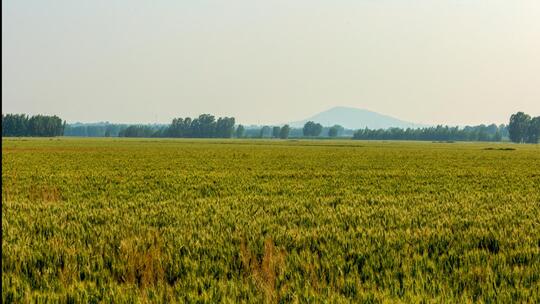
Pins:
x,y
533,131
284,132
335,131
312,129
275,132
518,127
240,131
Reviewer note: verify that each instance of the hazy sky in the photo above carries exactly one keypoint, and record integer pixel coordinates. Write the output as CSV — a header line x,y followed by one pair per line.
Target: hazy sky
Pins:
x,y
426,61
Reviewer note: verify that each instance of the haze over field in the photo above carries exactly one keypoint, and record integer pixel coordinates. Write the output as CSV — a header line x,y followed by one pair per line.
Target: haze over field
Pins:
x,y
423,61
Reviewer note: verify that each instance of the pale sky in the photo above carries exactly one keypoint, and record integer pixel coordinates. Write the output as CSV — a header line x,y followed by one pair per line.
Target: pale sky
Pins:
x,y
425,61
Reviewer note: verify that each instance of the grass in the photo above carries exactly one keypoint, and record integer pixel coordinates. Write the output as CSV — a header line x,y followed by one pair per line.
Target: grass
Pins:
x,y
205,221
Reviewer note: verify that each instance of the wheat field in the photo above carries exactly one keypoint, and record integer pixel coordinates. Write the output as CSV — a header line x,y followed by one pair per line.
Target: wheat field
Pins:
x,y
269,221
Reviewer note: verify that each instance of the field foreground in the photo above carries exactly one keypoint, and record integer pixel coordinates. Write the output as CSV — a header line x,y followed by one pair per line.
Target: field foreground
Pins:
x,y
120,220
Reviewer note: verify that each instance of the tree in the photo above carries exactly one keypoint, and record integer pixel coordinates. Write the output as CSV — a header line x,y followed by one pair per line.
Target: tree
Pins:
x,y
174,127
518,127
335,131
533,131
284,132
265,132
275,132
138,131
497,136
224,127
204,126
312,129
503,129
240,131
187,127
317,129
179,127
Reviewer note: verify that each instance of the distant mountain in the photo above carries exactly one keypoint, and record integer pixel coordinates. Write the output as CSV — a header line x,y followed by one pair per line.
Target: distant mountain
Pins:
x,y
353,118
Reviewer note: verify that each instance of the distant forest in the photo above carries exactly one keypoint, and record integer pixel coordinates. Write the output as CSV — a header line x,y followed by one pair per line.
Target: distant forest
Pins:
x,y
522,128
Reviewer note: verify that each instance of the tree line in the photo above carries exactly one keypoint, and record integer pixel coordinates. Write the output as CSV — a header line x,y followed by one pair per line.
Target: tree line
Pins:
x,y
522,128
438,133
204,126
37,125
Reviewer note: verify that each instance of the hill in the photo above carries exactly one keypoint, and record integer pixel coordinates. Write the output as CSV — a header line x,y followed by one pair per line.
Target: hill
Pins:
x,y
354,118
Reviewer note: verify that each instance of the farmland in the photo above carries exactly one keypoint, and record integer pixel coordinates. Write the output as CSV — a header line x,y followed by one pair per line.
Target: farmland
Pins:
x,y
162,220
